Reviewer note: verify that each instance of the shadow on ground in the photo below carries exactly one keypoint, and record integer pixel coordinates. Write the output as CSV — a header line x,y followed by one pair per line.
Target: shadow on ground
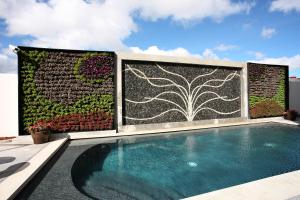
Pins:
x,y
13,169
4,160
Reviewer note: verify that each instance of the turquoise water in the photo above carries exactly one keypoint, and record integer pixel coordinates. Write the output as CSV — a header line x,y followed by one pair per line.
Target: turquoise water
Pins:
x,y
182,165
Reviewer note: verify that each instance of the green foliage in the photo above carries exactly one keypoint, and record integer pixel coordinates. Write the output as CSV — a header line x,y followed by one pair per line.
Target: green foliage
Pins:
x,y
277,102
30,60
93,103
280,95
42,108
253,100
36,107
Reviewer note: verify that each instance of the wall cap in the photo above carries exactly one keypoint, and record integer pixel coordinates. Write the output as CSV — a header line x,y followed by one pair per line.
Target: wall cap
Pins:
x,y
177,59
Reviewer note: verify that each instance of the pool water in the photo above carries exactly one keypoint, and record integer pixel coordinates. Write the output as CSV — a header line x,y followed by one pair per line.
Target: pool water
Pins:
x,y
187,164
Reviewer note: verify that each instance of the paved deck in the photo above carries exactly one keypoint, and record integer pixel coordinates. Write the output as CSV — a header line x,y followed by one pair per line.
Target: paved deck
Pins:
x,y
281,187
15,154
20,160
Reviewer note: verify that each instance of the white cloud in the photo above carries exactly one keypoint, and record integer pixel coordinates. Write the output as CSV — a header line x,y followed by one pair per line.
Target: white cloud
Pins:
x,y
191,10
182,52
209,54
267,33
293,62
98,24
69,24
8,60
285,5
257,54
225,47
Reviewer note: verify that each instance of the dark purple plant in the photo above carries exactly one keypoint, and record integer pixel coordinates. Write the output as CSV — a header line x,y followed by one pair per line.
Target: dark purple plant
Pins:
x,y
97,67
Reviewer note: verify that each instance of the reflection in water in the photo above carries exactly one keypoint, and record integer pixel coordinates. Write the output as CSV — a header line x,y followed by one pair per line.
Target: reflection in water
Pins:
x,y
192,164
86,164
90,178
245,141
190,151
120,154
269,144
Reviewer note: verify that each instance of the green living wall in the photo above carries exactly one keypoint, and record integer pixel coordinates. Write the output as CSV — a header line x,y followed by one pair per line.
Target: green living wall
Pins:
x,y
268,89
70,90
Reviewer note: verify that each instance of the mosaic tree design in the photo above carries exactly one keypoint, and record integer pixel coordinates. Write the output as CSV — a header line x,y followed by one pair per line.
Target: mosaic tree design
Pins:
x,y
71,90
267,90
182,93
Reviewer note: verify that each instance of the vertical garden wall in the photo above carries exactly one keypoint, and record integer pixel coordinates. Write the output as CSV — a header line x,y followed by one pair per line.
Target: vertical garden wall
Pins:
x,y
158,92
268,90
70,90
73,91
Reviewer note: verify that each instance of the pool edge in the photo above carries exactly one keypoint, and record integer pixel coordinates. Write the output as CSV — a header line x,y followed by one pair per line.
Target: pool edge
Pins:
x,y
13,184
108,134
283,186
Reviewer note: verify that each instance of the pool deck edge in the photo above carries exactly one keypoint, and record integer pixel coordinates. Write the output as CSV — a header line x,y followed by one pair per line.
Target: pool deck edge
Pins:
x,y
279,187
13,184
107,134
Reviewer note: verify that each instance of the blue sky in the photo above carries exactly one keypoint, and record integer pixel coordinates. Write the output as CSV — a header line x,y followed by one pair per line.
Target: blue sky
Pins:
x,y
246,30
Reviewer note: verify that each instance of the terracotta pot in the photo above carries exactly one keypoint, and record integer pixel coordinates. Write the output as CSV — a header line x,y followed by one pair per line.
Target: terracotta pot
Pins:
x,y
290,115
40,137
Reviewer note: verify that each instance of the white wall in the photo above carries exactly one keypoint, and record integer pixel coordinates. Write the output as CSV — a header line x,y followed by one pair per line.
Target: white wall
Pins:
x,y
294,90
8,105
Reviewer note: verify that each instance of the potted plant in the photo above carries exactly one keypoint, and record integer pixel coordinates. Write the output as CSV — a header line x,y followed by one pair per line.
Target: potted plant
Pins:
x,y
40,132
290,115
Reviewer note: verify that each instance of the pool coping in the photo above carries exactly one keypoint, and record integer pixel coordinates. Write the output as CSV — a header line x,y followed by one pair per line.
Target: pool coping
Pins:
x,y
113,133
13,184
283,186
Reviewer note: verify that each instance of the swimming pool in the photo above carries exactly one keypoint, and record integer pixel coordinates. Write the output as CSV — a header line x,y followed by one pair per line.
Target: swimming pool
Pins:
x,y
185,165
172,166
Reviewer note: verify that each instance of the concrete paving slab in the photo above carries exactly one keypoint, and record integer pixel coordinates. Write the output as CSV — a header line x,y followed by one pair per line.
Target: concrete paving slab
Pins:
x,y
20,154
280,187
8,147
23,139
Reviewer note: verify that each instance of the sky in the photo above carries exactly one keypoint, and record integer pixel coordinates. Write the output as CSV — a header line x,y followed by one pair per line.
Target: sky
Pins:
x,y
264,31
